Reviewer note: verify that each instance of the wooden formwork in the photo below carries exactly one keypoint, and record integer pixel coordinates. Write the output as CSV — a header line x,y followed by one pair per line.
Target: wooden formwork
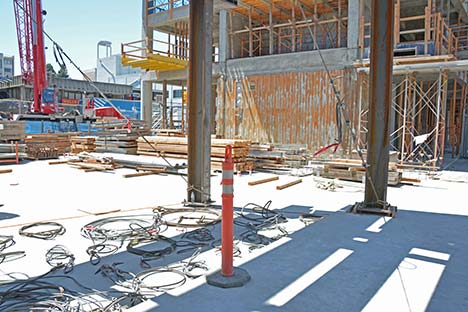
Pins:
x,y
288,108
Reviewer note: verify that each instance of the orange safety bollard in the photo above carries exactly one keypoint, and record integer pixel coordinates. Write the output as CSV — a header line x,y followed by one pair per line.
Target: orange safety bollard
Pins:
x,y
227,239
229,276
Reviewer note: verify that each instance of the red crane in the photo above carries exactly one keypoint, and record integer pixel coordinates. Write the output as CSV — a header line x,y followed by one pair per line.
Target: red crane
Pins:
x,y
29,27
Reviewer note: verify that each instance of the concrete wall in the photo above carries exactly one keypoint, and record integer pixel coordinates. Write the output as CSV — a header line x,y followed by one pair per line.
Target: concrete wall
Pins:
x,y
291,62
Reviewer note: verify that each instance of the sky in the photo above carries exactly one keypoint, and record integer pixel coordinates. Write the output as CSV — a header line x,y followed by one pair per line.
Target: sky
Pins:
x,y
77,26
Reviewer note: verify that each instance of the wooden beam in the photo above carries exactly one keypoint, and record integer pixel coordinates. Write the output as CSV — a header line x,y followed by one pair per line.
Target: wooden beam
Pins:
x,y
141,174
276,6
252,183
285,186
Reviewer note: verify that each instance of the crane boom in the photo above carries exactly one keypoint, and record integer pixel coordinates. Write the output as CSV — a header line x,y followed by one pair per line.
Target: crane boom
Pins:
x,y
28,14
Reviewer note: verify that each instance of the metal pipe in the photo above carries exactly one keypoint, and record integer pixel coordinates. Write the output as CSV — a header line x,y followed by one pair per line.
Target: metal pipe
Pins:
x,y
199,104
381,61
107,70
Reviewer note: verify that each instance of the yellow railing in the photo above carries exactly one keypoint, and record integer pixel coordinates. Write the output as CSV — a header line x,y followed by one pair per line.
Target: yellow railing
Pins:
x,y
155,54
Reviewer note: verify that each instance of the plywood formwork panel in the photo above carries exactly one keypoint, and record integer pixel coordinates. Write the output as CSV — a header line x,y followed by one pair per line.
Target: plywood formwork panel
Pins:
x,y
288,108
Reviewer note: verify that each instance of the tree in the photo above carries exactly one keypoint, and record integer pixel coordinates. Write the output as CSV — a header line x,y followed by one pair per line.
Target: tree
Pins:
x,y
63,72
50,69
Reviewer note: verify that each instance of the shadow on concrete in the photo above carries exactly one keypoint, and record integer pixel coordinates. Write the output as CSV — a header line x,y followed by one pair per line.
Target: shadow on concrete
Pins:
x,y
457,163
350,285
7,215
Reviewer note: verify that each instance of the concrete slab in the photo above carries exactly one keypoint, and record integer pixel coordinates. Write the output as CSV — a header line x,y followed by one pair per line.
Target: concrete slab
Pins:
x,y
344,262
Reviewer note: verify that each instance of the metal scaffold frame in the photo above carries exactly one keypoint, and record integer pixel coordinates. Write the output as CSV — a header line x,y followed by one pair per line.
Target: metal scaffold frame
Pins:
x,y
426,114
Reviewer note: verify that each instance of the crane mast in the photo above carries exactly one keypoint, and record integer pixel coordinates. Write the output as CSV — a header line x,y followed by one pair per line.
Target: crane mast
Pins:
x,y
29,27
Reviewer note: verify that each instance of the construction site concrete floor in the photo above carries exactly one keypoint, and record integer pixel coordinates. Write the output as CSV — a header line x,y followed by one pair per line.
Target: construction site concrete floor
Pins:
x,y
344,262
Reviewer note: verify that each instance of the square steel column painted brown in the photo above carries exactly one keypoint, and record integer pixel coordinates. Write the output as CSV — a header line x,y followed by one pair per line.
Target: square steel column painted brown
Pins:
x,y
199,100
381,67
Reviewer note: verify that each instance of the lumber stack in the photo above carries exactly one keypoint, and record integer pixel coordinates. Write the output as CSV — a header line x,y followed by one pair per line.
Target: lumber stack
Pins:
x,y
12,130
352,170
177,147
117,143
82,144
279,158
107,124
47,146
170,133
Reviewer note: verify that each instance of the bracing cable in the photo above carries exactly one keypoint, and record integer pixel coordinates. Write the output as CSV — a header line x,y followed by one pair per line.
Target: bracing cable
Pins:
x,y
340,106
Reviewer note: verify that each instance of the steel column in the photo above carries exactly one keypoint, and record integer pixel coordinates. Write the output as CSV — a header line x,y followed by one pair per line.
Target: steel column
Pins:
x,y
381,65
199,95
164,105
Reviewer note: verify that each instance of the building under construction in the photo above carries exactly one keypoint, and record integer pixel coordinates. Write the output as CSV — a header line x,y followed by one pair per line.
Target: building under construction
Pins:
x,y
268,67
318,162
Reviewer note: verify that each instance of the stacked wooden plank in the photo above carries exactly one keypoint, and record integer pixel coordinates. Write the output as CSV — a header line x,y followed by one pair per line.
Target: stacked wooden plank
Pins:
x,y
113,123
170,132
177,147
12,130
47,146
82,144
352,170
117,143
279,158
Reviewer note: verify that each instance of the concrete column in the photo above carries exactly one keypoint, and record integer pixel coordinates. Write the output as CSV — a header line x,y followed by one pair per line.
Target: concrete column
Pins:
x,y
199,95
353,25
223,37
147,102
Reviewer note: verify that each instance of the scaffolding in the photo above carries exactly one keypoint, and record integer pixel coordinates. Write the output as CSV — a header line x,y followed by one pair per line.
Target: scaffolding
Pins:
x,y
427,113
279,27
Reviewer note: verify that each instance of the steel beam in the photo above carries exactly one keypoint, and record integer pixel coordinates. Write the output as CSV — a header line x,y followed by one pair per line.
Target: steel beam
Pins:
x,y
199,100
380,100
